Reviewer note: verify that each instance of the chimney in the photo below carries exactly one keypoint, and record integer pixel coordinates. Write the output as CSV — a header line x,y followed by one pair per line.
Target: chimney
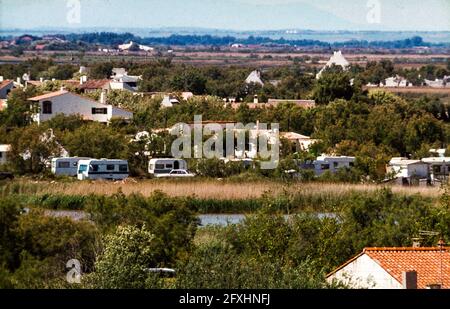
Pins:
x,y
409,280
1,79
41,79
255,99
18,80
416,242
103,97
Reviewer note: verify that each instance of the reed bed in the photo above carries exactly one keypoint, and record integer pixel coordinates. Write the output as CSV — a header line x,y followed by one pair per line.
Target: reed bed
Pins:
x,y
202,188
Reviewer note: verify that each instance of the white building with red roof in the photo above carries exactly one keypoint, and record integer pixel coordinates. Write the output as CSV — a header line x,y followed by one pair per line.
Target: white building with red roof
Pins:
x,y
5,87
68,103
396,268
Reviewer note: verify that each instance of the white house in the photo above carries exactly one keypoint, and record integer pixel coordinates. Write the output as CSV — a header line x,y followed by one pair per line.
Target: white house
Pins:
x,y
68,103
301,142
396,81
5,87
124,82
4,149
254,77
338,60
169,101
438,83
404,170
395,268
126,46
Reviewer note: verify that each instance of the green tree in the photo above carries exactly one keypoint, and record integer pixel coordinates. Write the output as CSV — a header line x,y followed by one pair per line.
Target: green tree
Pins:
x,y
123,264
97,141
332,85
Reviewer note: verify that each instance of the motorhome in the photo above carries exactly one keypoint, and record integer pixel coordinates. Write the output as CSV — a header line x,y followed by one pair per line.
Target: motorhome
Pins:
x,y
332,164
112,169
165,165
66,166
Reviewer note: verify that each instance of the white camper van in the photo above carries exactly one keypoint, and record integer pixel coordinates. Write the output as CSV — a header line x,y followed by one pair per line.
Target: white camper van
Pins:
x,y
102,169
66,166
165,165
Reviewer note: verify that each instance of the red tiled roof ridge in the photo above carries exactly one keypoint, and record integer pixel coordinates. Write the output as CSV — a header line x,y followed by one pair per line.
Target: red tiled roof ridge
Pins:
x,y
48,95
393,249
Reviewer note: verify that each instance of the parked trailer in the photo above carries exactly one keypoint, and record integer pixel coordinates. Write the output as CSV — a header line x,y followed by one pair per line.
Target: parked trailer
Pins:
x,y
112,169
66,166
165,165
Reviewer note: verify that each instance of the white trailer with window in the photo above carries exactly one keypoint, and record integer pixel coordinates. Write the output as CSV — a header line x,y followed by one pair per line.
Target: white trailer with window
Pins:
x,y
332,164
112,169
165,165
66,166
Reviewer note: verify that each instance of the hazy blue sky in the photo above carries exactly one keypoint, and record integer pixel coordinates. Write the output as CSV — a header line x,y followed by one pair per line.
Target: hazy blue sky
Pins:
x,y
230,14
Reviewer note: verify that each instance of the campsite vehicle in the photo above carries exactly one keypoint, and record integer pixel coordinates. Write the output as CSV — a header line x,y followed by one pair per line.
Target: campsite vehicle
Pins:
x,y
113,169
66,166
175,173
332,164
159,166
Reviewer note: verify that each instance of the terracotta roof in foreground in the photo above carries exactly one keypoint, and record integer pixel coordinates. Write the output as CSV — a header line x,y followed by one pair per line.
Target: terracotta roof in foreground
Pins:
x,y
432,264
48,95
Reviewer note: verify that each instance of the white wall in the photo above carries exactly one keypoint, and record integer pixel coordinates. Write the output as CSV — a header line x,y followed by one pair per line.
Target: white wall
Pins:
x,y
71,104
365,273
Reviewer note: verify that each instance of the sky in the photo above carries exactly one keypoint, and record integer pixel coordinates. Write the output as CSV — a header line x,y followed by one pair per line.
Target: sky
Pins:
x,y
407,15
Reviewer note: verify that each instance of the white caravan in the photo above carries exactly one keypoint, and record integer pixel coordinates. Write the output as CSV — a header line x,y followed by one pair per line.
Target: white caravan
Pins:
x,y
325,163
66,166
102,169
165,165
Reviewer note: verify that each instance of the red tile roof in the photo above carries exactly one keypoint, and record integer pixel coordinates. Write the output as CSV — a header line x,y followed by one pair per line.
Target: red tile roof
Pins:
x,y
275,103
432,264
48,95
5,83
36,83
94,84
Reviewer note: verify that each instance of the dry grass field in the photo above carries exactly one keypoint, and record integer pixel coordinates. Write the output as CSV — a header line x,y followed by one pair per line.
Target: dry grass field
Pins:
x,y
418,90
207,189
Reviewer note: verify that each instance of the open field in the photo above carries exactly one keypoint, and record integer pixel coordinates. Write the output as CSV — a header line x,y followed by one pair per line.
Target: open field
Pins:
x,y
247,57
204,189
419,90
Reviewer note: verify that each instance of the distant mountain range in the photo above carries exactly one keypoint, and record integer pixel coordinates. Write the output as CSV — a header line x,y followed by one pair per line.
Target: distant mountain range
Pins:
x,y
288,34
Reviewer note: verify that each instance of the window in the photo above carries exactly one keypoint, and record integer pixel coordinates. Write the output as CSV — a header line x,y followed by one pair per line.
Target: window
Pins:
x,y
83,168
64,164
351,164
46,107
169,165
123,168
99,110
436,169
325,166
159,166
1,155
335,164
94,168
110,167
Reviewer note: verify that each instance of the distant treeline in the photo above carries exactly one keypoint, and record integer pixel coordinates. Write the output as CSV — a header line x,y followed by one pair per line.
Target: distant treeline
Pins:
x,y
113,39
